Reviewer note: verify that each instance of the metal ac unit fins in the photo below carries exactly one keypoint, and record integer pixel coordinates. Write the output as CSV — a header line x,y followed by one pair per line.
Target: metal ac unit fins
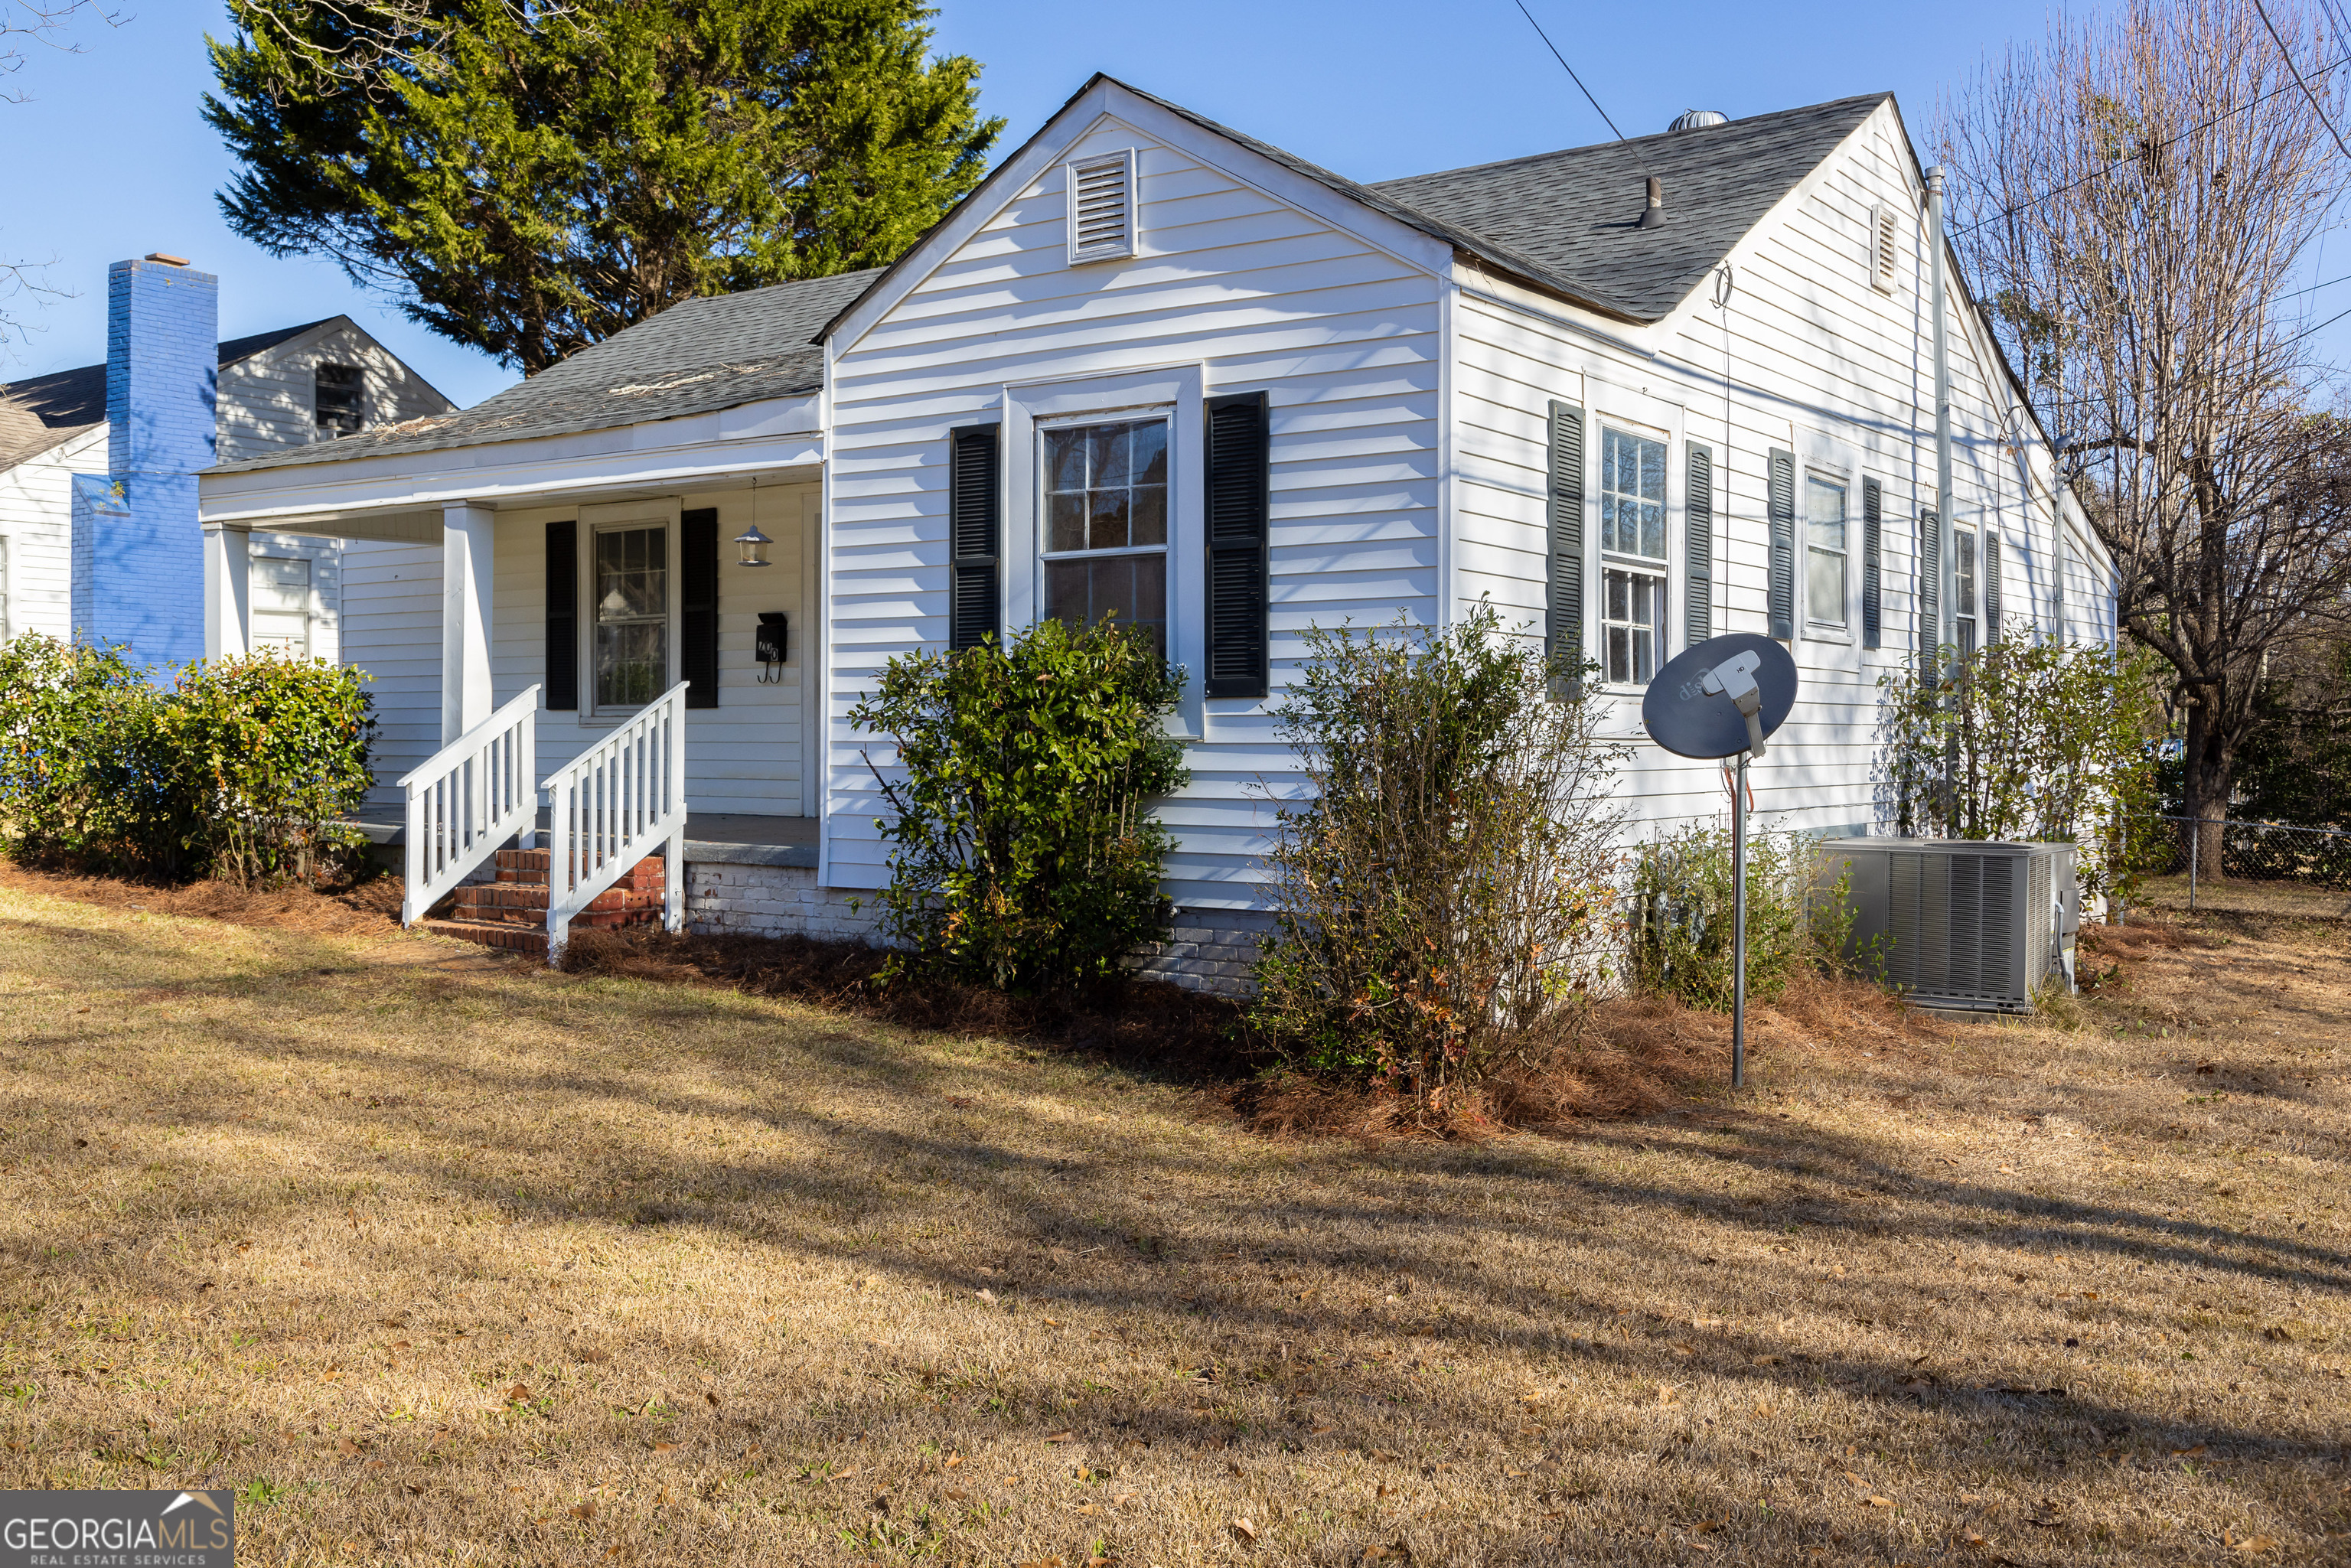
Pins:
x,y
1968,926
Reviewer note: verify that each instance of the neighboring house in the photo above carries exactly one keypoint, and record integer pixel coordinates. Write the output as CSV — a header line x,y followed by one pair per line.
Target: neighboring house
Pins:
x,y
117,555
1152,364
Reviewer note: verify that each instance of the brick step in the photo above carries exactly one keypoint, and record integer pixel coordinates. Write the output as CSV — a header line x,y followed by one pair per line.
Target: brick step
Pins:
x,y
507,938
528,868
527,906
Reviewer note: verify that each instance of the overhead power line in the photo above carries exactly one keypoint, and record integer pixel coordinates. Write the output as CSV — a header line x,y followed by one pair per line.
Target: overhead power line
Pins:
x,y
2287,56
1569,70
2014,208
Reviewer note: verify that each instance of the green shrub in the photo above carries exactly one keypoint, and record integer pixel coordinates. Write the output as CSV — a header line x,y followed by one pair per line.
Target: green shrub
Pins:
x,y
242,769
1025,854
1684,916
2033,740
1444,900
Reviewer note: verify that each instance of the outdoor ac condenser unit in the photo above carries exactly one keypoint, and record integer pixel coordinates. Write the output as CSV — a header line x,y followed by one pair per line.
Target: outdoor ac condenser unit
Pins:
x,y
1969,926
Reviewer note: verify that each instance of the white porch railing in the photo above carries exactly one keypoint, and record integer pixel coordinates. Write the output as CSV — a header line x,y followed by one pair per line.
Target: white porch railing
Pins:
x,y
620,800
467,801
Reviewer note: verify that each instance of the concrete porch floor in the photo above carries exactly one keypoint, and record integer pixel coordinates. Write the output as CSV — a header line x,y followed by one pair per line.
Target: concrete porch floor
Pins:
x,y
720,838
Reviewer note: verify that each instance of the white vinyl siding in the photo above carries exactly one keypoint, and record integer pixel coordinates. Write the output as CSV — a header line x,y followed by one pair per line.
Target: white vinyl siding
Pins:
x,y
1803,331
1340,334
37,519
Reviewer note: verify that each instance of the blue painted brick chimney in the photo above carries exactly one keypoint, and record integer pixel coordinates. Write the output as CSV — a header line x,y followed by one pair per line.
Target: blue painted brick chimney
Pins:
x,y
138,562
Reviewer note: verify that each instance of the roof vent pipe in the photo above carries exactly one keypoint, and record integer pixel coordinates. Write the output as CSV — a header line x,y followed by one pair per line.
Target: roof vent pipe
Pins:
x,y
1654,216
1699,120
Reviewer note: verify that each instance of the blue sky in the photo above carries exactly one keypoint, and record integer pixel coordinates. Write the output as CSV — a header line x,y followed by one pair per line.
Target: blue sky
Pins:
x,y
110,158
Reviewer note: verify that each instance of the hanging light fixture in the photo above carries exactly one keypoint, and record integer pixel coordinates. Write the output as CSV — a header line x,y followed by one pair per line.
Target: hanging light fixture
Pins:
x,y
752,544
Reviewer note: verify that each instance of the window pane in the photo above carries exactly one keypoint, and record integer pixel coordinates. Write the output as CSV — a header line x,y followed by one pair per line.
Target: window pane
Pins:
x,y
1106,519
631,616
1963,546
1128,591
1824,587
1632,495
1108,454
1065,591
1148,519
1633,614
1065,460
1151,453
1065,526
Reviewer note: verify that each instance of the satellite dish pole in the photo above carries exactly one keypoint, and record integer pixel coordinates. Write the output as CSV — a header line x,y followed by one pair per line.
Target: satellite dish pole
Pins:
x,y
1719,700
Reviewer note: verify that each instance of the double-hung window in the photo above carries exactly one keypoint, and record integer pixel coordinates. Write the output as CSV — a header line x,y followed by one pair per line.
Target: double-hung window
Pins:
x,y
279,589
631,598
1963,561
1824,552
1105,555
1632,557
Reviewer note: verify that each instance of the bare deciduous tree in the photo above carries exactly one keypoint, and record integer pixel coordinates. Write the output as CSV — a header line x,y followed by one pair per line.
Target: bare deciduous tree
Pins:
x,y
24,23
2136,195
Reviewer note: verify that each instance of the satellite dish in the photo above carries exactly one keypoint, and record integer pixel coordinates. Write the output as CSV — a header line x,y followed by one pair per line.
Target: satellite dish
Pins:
x,y
1722,697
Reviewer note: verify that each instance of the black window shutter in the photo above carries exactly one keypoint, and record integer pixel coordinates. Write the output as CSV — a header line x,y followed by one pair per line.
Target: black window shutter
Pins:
x,y
1239,449
1698,505
1930,604
1563,489
562,617
1991,585
1873,563
1783,545
975,536
697,605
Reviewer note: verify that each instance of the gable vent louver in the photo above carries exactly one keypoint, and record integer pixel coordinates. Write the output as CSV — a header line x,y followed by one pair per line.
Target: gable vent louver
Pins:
x,y
1101,208
1885,253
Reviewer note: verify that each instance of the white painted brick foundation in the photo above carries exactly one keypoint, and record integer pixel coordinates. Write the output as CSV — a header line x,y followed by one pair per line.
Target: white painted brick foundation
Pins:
x,y
1209,950
774,900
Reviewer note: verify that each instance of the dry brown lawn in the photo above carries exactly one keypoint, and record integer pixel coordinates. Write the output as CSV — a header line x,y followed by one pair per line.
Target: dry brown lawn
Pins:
x,y
438,1258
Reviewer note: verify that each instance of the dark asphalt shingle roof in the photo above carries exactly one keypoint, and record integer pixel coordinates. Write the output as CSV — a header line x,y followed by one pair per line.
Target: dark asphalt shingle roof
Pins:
x,y
695,357
1574,214
39,411
1562,220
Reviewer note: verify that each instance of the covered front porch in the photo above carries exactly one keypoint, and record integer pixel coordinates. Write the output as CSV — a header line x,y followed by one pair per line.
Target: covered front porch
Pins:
x,y
582,662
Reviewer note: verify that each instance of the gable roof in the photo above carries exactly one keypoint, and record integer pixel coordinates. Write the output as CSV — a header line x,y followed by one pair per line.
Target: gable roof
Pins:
x,y
41,412
1574,214
1566,221
697,357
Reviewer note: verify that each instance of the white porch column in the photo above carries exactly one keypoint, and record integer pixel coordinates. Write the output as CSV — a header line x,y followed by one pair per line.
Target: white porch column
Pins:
x,y
228,593
466,546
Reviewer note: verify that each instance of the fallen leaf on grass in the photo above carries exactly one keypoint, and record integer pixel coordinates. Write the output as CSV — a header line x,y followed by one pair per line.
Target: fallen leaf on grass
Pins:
x,y
1245,1530
1765,1410
664,1447
1881,1502
951,1461
987,1295
517,1393
1123,1498
2189,1453
584,1510
596,1355
2250,1546
1058,1436
1043,1563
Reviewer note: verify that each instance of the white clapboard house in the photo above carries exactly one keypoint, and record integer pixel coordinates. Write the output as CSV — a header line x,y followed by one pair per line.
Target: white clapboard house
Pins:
x,y
1631,394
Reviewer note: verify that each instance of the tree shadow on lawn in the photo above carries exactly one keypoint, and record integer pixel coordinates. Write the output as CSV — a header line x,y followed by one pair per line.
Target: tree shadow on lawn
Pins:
x,y
506,1141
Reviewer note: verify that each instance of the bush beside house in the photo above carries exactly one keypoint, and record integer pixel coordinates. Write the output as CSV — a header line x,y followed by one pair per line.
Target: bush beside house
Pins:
x,y
242,768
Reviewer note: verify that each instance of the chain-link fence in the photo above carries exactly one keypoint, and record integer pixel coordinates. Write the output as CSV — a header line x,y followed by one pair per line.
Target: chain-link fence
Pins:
x,y
2255,868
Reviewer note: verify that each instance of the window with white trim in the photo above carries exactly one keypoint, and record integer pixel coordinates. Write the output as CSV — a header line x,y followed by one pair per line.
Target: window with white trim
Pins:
x,y
630,586
1105,524
1963,560
1633,553
1101,207
279,590
1824,552
339,400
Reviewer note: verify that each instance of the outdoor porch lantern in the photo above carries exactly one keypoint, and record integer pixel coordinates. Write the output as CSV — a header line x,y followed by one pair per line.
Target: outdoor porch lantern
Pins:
x,y
752,545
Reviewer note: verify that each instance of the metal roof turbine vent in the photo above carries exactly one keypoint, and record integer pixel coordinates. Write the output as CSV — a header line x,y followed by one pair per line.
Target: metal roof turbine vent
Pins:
x,y
1699,120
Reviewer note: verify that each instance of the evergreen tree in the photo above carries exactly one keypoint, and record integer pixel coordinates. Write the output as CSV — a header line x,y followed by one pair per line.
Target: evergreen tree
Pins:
x,y
531,176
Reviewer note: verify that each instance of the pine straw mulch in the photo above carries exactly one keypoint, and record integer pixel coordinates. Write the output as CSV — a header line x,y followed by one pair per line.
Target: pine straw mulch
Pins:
x,y
339,909
1637,1056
